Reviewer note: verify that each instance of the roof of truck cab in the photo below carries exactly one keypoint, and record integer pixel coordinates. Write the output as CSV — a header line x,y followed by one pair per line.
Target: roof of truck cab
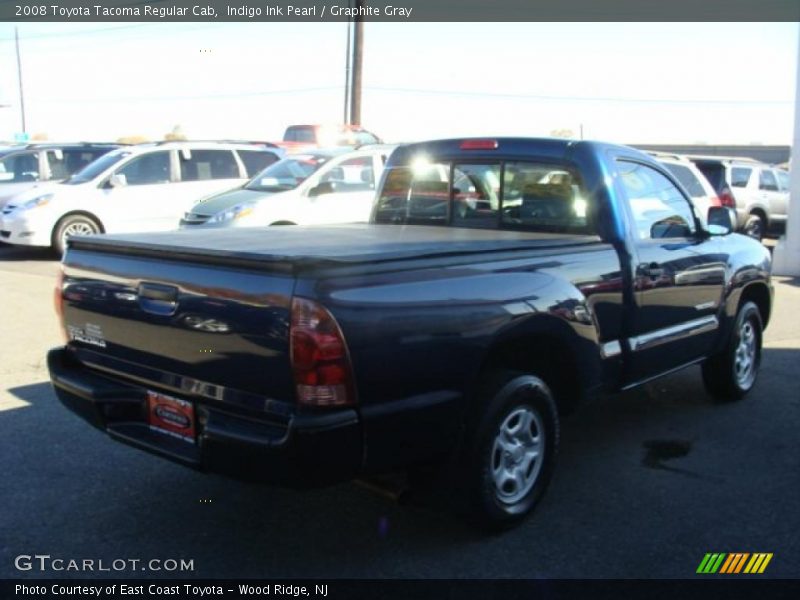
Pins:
x,y
516,147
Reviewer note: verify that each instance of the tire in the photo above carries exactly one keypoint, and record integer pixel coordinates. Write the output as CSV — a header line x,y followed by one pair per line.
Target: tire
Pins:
x,y
732,373
509,452
754,227
72,225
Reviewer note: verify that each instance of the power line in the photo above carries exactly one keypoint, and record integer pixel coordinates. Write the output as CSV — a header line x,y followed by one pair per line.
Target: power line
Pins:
x,y
468,94
78,32
250,94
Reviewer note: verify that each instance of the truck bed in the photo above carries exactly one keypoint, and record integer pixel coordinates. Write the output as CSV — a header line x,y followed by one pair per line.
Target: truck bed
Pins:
x,y
283,248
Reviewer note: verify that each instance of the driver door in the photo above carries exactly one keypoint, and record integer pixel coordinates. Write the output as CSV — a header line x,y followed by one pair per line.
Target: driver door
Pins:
x,y
679,274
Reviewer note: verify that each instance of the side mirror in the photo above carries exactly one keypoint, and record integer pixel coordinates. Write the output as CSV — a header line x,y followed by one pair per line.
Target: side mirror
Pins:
x,y
721,220
326,187
669,227
117,180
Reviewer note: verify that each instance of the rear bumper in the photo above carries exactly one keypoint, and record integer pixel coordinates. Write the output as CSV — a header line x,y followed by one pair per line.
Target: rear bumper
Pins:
x,y
298,451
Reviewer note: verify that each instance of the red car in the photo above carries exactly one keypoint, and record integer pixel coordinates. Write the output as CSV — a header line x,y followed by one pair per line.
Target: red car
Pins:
x,y
299,138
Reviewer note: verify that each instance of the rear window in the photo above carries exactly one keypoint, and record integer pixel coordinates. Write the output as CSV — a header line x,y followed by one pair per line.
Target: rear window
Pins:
x,y
528,196
715,173
688,180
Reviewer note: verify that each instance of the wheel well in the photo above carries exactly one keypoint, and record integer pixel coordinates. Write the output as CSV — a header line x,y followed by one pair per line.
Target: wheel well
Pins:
x,y
758,294
282,223
760,213
81,213
547,355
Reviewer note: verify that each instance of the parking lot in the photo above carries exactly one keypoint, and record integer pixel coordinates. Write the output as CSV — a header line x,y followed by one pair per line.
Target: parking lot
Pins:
x,y
648,482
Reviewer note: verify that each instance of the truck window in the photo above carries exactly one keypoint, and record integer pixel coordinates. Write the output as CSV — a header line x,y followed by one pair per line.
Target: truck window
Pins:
x,y
543,197
687,178
536,197
476,195
659,209
417,194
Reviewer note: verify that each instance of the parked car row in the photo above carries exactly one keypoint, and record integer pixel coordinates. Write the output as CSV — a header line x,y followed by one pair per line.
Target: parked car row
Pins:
x,y
758,192
108,188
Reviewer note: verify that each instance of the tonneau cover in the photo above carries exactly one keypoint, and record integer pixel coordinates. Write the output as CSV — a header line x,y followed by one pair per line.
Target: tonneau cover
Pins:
x,y
343,244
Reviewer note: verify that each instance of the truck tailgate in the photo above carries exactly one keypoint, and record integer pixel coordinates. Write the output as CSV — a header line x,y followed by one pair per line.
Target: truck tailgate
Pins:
x,y
215,331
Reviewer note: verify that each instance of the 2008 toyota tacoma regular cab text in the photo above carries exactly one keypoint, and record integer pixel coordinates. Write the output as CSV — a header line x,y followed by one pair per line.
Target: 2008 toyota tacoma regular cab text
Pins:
x,y
499,283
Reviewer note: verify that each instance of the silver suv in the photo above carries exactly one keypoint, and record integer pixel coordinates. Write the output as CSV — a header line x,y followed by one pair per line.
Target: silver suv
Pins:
x,y
758,192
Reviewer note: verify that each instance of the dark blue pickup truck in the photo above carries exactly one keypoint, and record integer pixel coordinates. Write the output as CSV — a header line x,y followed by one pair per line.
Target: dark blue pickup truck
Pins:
x,y
500,282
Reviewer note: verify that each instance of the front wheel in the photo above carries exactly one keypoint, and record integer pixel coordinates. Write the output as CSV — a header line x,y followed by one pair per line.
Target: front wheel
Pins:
x,y
510,449
732,373
72,225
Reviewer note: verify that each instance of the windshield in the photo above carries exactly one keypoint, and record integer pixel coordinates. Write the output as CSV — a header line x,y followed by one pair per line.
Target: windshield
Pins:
x,y
97,167
286,174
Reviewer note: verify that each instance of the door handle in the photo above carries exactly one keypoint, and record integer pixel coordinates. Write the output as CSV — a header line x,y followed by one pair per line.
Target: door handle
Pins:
x,y
158,299
653,270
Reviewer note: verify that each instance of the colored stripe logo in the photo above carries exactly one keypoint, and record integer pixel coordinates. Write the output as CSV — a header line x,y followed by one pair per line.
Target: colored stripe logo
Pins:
x,y
734,563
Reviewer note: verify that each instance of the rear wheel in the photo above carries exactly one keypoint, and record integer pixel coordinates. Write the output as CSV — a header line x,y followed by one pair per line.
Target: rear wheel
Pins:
x,y
754,227
510,449
72,225
732,373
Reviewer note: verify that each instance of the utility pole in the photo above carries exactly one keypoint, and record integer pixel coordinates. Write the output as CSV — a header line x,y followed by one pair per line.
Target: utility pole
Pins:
x,y
347,73
358,56
19,76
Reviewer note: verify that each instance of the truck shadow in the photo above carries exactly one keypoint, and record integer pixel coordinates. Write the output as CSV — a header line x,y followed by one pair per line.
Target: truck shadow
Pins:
x,y
20,253
109,501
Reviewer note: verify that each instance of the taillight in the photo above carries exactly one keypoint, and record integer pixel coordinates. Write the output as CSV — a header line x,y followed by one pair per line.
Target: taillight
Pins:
x,y
321,366
58,302
726,198
714,201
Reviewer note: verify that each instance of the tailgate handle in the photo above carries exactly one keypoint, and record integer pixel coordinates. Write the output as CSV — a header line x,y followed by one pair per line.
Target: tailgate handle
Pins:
x,y
157,298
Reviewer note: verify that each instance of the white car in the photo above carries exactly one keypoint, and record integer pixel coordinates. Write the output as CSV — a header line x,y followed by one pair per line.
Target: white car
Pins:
x,y
313,188
146,187
27,166
686,172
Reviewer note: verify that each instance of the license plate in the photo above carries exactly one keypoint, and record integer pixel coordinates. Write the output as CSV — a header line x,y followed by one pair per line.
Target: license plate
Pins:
x,y
172,416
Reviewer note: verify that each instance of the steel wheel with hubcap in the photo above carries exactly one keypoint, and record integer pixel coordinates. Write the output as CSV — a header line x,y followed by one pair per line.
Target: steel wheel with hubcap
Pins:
x,y
731,373
517,454
510,447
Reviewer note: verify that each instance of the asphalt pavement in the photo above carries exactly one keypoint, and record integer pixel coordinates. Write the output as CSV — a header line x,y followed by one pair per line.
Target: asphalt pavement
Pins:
x,y
648,482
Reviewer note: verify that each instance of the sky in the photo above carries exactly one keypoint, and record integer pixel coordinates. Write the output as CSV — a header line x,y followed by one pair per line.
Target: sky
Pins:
x,y
723,83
